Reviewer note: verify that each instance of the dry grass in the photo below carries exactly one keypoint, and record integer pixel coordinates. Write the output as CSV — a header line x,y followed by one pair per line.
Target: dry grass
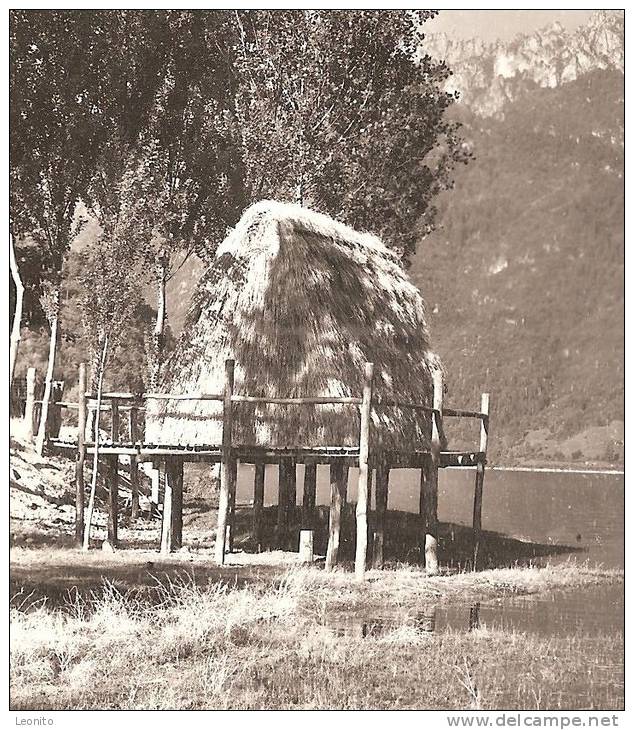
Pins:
x,y
267,645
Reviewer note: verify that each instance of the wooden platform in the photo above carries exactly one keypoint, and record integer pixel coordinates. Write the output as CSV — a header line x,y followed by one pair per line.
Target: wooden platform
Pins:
x,y
250,454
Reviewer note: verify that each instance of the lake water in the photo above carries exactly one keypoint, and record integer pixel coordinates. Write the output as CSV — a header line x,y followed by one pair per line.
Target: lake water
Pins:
x,y
580,511
584,511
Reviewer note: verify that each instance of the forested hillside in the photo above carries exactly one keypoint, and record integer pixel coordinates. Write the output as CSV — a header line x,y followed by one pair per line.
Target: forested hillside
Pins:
x,y
525,278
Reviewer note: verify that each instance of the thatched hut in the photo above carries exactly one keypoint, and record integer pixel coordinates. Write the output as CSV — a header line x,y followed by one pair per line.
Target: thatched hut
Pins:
x,y
300,302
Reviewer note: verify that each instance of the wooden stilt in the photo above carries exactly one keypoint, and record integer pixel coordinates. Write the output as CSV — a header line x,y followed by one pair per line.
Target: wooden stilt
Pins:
x,y
429,482
306,535
134,469
429,512
337,473
381,481
362,492
291,500
55,410
225,469
479,480
81,456
166,525
113,500
231,523
29,409
282,509
172,527
258,505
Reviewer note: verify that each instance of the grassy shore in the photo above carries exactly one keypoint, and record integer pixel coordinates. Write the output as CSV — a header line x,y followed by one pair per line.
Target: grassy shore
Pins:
x,y
183,635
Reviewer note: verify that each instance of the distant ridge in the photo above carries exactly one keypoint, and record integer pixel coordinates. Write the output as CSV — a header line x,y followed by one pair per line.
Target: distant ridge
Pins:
x,y
488,75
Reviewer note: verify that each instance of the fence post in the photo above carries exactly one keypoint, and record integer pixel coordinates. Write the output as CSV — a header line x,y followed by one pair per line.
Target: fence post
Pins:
x,y
29,408
225,465
479,481
362,494
81,456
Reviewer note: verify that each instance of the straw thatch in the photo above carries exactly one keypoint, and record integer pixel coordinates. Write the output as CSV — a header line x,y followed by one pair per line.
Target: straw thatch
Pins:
x,y
301,302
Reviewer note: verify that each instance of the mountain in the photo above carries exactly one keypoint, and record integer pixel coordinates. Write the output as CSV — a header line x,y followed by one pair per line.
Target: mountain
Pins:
x,y
487,76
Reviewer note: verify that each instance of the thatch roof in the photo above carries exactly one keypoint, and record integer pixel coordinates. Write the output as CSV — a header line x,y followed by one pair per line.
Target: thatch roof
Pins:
x,y
301,302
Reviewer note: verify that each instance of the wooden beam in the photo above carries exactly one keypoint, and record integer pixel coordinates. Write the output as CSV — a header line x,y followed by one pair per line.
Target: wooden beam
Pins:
x,y
225,469
479,480
81,457
258,505
337,474
113,499
362,492
381,481
29,409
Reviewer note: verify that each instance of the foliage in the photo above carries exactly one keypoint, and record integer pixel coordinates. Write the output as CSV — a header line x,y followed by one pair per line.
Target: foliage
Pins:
x,y
55,127
334,109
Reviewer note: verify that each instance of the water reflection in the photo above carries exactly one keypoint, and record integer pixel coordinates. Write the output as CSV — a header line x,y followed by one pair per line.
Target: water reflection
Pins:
x,y
592,610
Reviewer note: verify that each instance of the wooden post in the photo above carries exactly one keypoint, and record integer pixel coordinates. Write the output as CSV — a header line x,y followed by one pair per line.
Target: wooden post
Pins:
x,y
166,525
382,480
282,505
113,500
291,498
55,410
29,409
172,527
225,466
479,480
81,456
134,468
306,535
429,483
258,505
337,473
231,520
362,493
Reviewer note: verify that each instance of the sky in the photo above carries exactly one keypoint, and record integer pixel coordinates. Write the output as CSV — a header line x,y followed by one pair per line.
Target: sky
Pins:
x,y
491,25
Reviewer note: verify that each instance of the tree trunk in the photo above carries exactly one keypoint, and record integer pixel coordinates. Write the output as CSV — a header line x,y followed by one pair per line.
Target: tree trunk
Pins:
x,y
52,353
17,314
159,327
95,462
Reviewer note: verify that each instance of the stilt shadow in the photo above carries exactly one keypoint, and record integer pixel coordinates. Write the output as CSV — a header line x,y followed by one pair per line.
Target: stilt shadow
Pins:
x,y
403,534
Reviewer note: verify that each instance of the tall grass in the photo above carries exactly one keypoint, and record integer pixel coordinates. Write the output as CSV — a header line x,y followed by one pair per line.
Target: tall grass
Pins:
x,y
267,646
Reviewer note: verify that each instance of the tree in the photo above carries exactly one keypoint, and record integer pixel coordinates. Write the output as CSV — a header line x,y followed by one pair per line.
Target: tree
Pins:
x,y
54,135
182,186
335,110
110,289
